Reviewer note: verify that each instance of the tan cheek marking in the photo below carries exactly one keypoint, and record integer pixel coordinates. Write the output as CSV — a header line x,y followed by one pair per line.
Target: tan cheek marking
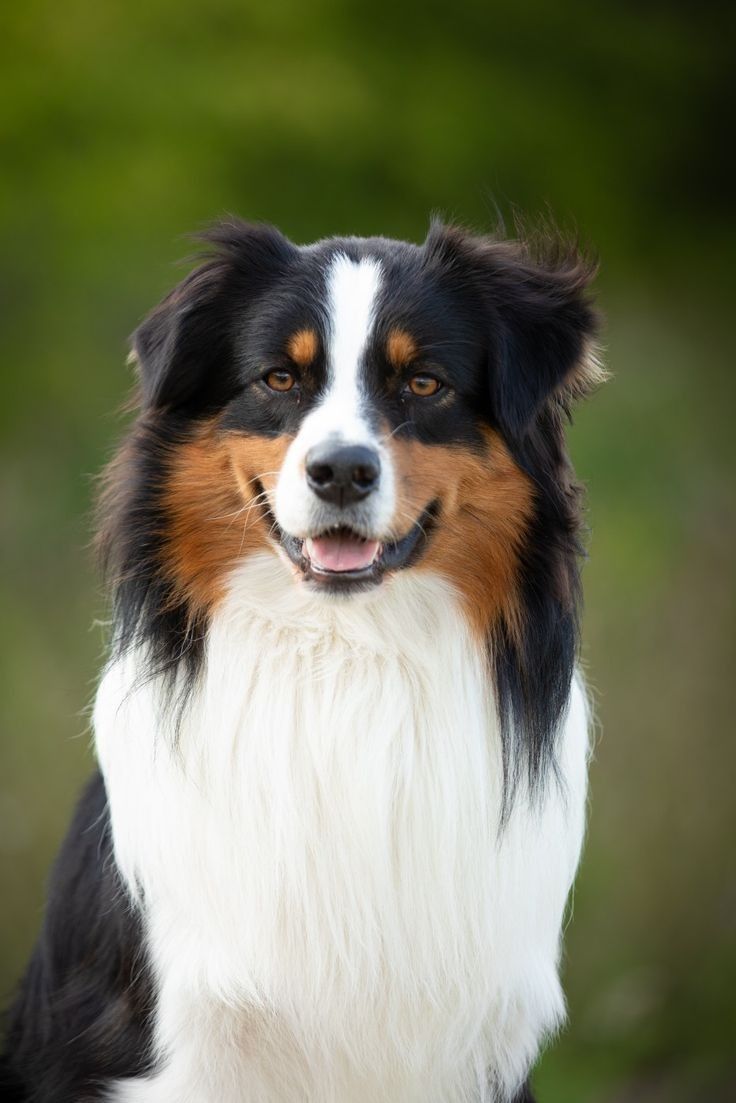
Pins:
x,y
401,348
487,503
302,347
211,485
256,459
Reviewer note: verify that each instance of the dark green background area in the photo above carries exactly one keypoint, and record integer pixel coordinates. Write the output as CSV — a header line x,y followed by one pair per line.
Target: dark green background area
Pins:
x,y
125,125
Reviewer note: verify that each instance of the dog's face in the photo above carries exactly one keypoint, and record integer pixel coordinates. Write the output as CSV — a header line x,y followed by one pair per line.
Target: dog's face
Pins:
x,y
360,407
363,360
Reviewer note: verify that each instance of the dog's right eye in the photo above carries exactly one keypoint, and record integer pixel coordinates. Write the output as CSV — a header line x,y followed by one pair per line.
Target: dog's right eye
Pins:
x,y
280,380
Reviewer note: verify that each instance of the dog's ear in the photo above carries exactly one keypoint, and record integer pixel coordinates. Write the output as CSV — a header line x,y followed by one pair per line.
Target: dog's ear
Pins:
x,y
183,348
540,321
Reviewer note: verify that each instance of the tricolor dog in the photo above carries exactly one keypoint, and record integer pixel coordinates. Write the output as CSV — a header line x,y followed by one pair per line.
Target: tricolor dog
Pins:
x,y
342,739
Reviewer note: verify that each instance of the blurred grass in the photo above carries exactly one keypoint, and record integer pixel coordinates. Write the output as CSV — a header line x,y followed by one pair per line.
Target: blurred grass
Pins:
x,y
123,126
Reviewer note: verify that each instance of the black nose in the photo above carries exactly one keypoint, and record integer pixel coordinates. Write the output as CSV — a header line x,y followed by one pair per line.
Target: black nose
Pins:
x,y
342,473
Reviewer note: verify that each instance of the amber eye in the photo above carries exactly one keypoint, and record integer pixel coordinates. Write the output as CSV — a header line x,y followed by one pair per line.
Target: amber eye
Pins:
x,y
280,380
424,386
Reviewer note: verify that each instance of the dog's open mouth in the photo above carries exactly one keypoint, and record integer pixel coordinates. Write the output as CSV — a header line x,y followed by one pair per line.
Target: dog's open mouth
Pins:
x,y
341,559
340,551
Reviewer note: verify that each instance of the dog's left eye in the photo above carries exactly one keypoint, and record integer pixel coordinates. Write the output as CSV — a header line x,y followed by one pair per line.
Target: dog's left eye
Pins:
x,y
424,386
280,380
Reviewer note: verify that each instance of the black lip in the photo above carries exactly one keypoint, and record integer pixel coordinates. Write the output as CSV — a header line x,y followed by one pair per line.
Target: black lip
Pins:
x,y
394,556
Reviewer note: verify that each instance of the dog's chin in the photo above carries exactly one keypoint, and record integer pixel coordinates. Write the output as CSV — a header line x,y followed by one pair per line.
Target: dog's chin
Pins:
x,y
340,560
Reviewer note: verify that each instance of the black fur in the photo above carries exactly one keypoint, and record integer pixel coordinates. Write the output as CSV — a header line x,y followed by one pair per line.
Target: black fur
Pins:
x,y
533,675
147,609
539,322
184,346
81,1015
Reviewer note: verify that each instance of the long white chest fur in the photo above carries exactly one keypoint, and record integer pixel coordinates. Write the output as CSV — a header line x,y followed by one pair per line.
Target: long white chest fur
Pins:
x,y
332,911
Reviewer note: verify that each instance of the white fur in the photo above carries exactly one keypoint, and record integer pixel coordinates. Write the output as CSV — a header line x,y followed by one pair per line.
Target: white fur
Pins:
x,y
352,292
332,912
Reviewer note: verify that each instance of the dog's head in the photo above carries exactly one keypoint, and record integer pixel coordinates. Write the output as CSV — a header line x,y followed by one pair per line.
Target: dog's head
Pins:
x,y
359,408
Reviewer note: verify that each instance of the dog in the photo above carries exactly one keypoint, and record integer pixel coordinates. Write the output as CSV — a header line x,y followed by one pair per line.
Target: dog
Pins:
x,y
342,735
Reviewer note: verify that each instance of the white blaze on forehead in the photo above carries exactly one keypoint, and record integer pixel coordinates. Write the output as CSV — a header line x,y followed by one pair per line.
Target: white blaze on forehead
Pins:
x,y
352,291
341,413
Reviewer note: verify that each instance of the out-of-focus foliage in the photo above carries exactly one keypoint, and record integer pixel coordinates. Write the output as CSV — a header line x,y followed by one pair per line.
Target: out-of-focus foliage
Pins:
x,y
124,125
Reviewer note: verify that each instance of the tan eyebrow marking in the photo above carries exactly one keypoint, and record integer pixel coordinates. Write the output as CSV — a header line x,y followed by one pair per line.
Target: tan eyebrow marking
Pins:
x,y
401,348
302,347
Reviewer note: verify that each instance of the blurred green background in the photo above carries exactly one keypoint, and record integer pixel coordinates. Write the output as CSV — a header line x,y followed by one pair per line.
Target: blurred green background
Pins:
x,y
125,125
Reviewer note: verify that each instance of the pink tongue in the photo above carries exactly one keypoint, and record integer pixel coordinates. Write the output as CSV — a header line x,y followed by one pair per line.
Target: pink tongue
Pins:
x,y
341,552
